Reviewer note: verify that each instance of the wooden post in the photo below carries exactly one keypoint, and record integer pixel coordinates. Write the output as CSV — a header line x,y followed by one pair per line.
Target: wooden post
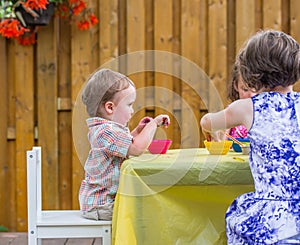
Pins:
x,y
64,117
47,113
4,178
24,82
136,24
163,86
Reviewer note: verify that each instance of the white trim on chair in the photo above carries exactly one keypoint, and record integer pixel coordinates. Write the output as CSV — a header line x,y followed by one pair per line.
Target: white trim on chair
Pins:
x,y
56,223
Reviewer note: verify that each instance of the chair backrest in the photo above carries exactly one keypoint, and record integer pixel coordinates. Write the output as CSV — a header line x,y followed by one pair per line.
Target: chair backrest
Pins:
x,y
34,184
56,223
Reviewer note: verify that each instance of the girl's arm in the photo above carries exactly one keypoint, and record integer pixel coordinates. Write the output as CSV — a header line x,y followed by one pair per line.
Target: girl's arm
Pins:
x,y
143,139
237,113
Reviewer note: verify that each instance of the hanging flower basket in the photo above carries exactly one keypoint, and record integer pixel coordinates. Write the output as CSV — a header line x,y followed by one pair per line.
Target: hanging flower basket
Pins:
x,y
19,19
38,17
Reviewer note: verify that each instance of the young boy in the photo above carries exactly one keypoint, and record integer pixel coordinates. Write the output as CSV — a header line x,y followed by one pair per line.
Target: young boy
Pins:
x,y
109,97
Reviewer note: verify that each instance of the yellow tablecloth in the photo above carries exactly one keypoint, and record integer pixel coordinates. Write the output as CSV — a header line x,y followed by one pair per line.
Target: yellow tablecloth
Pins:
x,y
178,198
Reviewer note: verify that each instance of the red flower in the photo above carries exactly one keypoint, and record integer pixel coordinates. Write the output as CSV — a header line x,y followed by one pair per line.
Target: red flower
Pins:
x,y
27,39
63,10
74,10
35,4
12,28
83,25
73,2
78,7
93,19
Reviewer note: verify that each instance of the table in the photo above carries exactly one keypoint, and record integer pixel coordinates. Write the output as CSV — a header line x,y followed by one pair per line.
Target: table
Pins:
x,y
178,198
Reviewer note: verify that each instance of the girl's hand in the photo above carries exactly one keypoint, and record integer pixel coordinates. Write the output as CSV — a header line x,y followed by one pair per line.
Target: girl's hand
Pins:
x,y
214,136
207,135
162,120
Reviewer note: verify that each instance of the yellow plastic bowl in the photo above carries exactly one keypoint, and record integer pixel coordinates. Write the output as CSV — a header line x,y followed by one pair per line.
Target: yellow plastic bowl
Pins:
x,y
218,148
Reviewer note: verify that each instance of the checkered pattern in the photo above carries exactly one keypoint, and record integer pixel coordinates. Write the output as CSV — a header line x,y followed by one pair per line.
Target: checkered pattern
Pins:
x,y
109,146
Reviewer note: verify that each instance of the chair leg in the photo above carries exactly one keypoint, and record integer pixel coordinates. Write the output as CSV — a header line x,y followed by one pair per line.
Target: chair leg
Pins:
x,y
106,239
32,240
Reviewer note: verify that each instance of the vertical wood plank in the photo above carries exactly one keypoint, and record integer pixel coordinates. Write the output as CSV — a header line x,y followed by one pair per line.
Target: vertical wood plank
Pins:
x,y
190,36
204,59
176,69
231,28
122,33
136,63
11,144
47,114
108,31
203,41
4,167
94,36
295,19
258,14
64,117
245,21
24,125
272,14
231,38
294,27
285,14
217,53
163,40
80,70
149,76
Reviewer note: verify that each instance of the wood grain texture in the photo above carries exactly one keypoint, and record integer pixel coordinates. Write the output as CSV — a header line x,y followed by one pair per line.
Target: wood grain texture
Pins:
x,y
47,117
4,166
64,117
40,83
24,99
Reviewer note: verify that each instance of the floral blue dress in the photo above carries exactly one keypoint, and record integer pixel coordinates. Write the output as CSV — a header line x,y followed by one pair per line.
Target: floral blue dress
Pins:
x,y
272,212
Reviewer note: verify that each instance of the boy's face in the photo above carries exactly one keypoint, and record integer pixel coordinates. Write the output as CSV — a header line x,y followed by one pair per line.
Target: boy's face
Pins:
x,y
123,102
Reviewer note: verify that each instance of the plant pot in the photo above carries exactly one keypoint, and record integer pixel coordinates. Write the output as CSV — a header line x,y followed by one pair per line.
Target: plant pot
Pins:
x,y
43,16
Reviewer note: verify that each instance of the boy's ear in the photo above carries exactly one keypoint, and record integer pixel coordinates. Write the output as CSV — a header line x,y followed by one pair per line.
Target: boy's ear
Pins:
x,y
109,107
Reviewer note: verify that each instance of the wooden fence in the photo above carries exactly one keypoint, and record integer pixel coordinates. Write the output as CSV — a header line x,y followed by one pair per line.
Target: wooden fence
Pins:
x,y
194,43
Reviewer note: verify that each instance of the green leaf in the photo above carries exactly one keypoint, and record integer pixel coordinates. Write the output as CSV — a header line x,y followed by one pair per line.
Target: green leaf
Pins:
x,y
3,228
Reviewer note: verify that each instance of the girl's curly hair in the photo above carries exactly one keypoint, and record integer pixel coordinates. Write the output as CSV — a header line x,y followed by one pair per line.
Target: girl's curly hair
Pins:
x,y
270,59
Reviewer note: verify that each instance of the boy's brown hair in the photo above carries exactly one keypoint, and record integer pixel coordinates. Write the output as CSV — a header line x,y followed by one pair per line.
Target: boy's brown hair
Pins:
x,y
101,87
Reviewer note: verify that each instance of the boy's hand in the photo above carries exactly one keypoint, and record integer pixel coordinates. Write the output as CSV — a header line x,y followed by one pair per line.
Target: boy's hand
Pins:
x,y
162,120
145,120
143,123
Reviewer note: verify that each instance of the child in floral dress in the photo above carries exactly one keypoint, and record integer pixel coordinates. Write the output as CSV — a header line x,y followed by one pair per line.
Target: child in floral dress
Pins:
x,y
270,65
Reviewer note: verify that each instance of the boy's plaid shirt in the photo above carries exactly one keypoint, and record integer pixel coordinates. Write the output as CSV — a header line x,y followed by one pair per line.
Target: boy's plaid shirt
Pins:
x,y
109,142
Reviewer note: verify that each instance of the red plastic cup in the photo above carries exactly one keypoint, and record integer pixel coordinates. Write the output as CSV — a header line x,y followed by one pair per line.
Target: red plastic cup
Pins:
x,y
159,146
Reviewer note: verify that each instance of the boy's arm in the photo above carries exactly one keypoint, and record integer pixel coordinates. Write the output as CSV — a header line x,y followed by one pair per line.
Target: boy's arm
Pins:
x,y
140,126
143,139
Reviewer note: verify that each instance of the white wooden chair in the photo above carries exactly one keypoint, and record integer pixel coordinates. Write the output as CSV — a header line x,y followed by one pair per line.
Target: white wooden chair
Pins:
x,y
56,223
